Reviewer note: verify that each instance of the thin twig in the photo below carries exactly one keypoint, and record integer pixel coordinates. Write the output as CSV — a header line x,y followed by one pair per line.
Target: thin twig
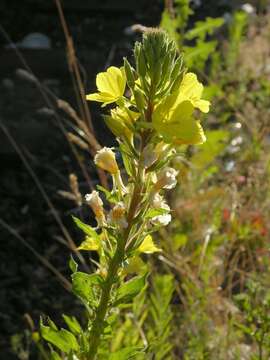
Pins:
x,y
65,232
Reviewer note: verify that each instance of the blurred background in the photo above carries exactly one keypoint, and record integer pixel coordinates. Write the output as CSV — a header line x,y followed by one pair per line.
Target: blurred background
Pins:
x,y
217,248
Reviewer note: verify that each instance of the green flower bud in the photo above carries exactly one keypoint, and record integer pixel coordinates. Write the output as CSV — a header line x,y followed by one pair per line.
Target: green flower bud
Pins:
x,y
139,98
129,74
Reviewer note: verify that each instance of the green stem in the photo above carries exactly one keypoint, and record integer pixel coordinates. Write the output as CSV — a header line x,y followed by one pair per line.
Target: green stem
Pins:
x,y
114,265
98,324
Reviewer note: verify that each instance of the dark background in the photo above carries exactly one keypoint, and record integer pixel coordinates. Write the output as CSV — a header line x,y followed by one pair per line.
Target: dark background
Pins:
x,y
29,128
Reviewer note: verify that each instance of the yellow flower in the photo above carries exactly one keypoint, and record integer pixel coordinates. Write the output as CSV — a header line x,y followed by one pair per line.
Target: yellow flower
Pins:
x,y
191,89
148,246
173,118
177,125
111,86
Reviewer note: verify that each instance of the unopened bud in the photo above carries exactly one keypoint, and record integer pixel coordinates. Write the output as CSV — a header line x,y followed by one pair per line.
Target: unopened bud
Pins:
x,y
149,156
105,159
96,204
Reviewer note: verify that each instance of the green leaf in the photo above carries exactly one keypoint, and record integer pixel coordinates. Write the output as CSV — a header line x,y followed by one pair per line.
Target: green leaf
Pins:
x,y
204,28
90,244
87,229
155,212
130,289
72,264
126,353
83,286
179,240
213,147
127,164
62,339
73,324
109,195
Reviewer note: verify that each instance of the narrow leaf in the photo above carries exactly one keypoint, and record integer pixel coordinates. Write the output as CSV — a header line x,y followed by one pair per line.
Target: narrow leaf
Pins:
x,y
126,353
72,264
87,229
73,324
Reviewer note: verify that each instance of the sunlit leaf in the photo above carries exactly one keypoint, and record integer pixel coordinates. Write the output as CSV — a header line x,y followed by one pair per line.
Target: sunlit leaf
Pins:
x,y
83,285
126,353
87,229
62,339
73,324
90,244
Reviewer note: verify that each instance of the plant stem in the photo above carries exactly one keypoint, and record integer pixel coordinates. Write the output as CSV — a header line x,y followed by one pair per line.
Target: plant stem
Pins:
x,y
98,323
114,265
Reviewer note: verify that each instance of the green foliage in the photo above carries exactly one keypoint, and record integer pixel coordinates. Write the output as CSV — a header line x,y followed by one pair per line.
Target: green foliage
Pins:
x,y
218,236
161,315
130,289
62,339
236,32
83,286
174,21
197,54
255,305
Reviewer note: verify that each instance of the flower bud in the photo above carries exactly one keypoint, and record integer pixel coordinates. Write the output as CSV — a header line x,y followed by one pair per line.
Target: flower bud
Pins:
x,y
166,179
105,159
117,215
96,204
149,156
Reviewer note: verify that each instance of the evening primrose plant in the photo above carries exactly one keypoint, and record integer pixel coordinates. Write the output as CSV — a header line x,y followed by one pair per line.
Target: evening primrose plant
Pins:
x,y
151,113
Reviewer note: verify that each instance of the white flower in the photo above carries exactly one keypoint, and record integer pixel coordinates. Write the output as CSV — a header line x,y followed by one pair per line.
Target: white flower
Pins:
x,y
163,220
166,179
117,215
158,202
105,159
96,204
248,8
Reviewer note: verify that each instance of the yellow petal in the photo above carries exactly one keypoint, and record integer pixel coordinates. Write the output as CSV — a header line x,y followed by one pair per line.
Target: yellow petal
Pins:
x,y
111,85
179,126
148,246
100,97
112,82
202,105
89,244
191,89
